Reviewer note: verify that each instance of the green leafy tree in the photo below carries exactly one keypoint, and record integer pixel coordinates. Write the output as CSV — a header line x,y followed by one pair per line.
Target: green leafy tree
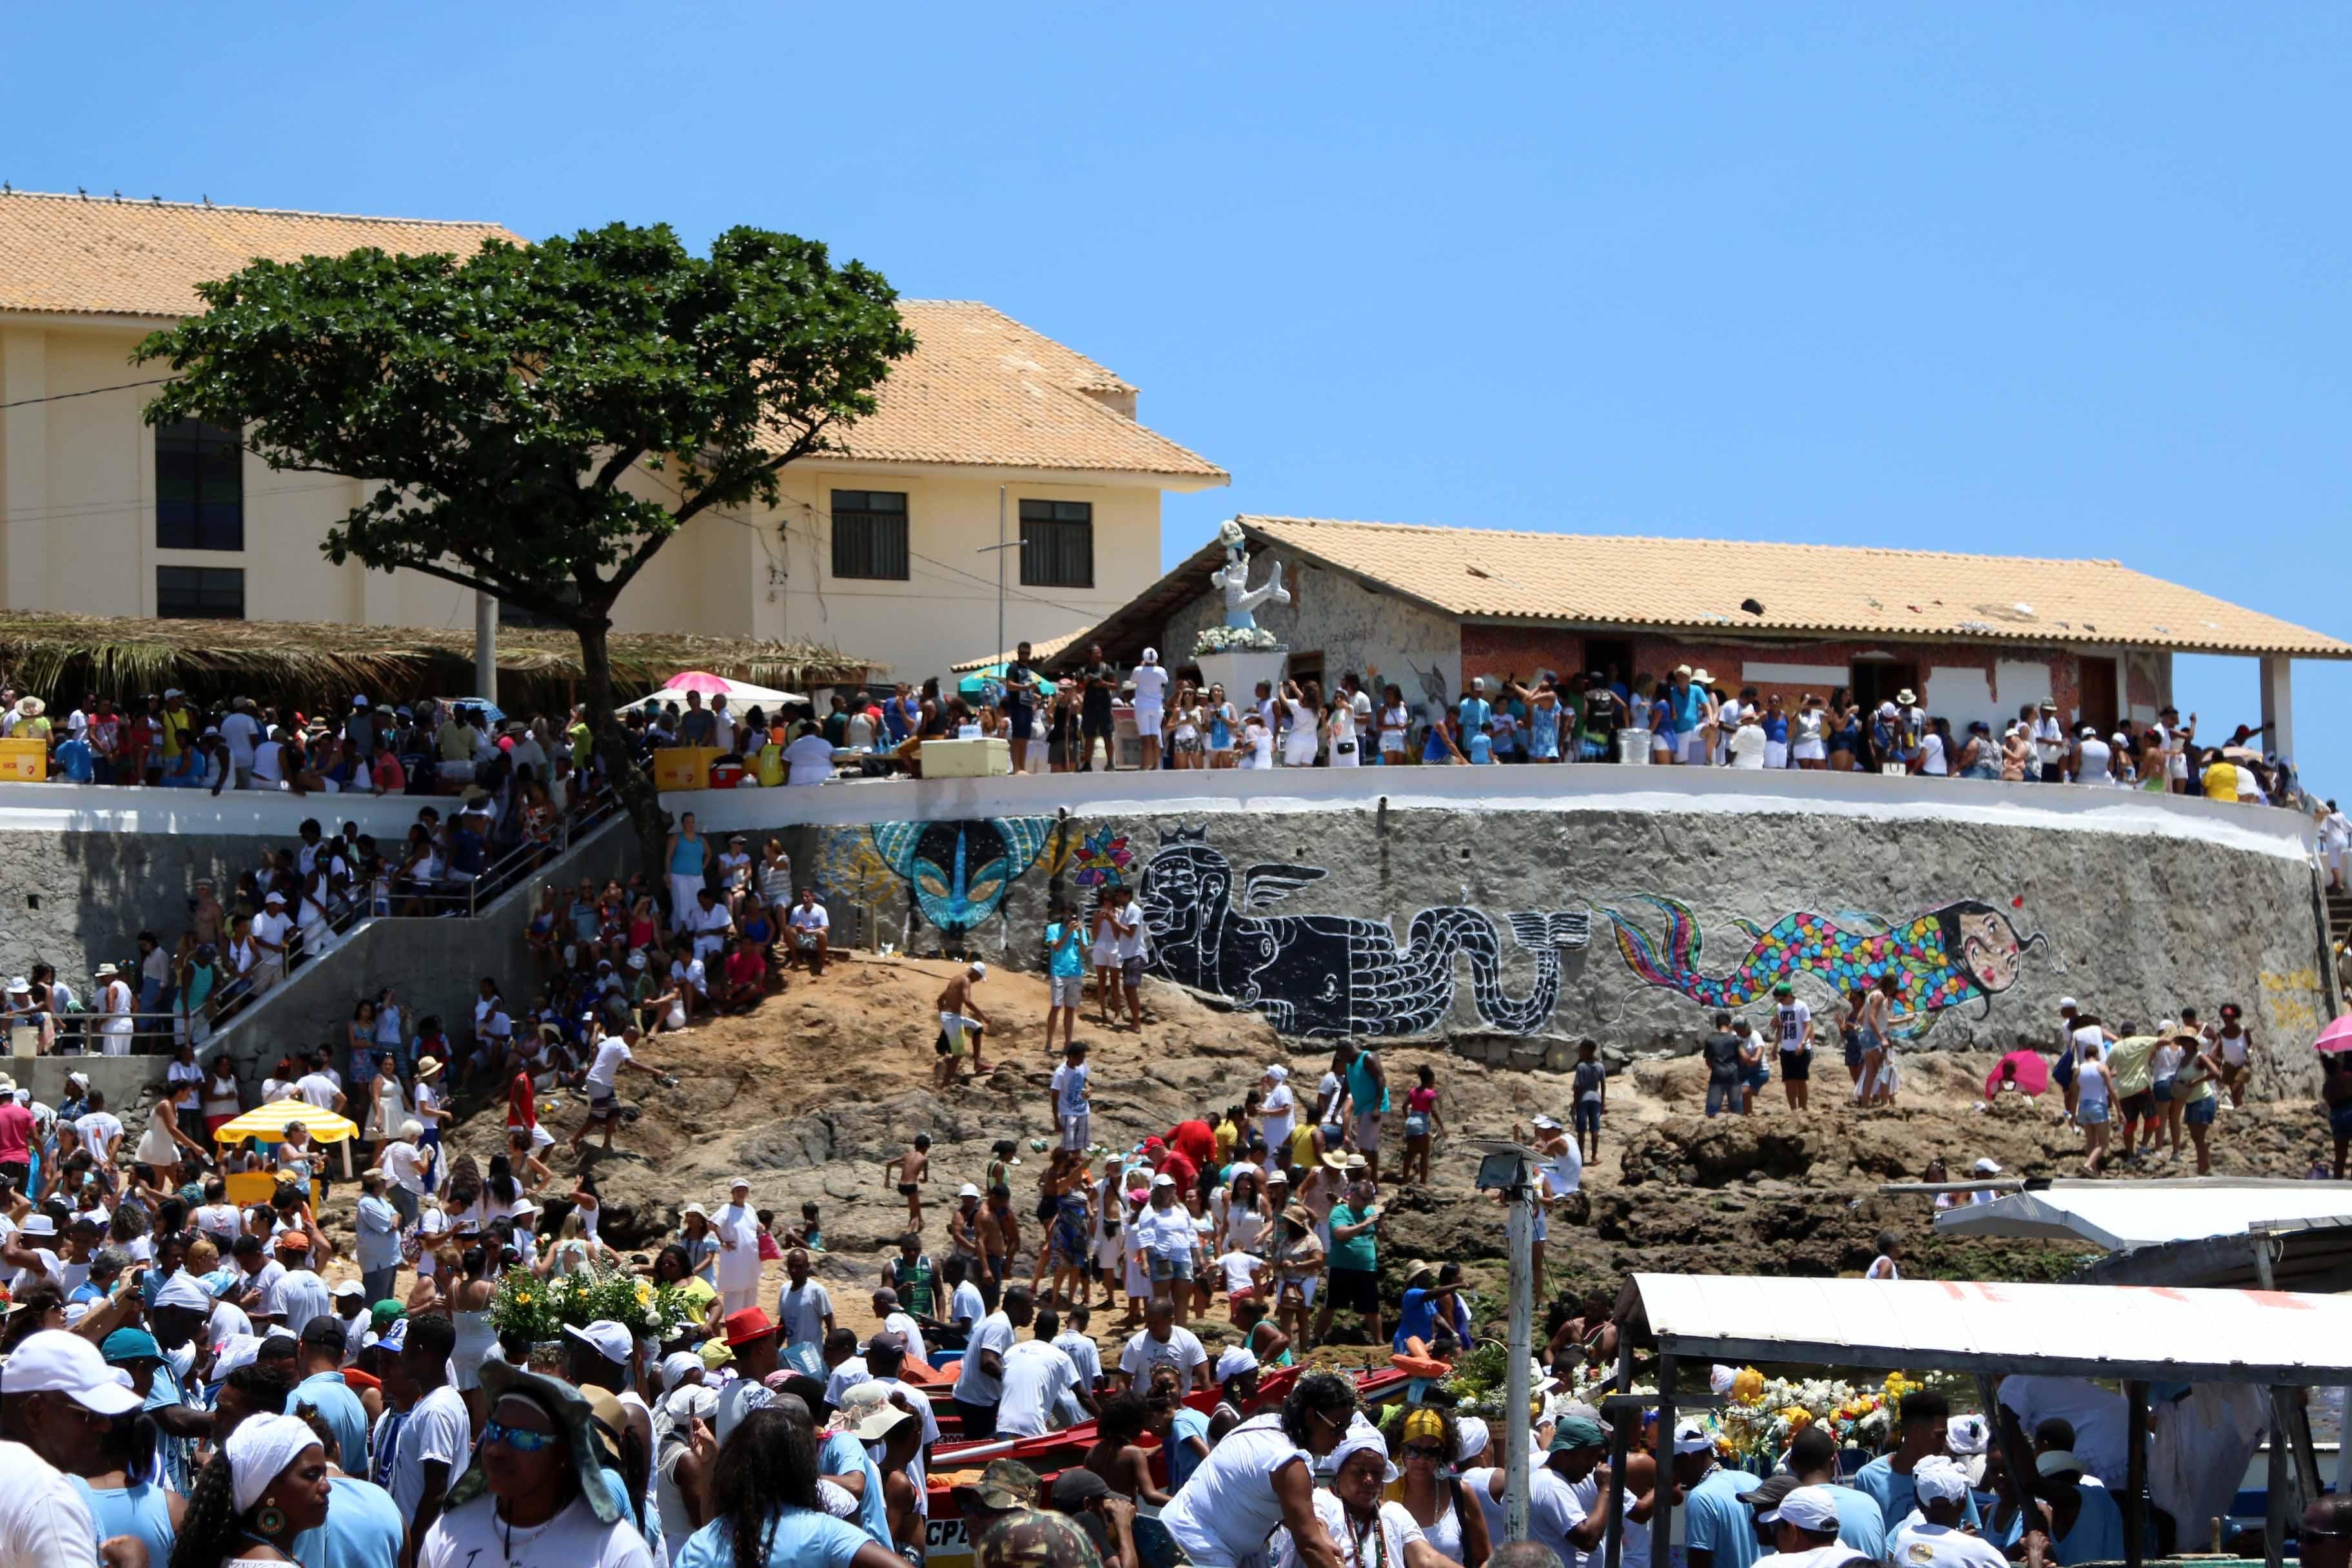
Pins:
x,y
499,402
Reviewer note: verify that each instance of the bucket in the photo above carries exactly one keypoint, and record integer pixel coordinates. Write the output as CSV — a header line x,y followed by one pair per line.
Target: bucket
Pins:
x,y
1633,746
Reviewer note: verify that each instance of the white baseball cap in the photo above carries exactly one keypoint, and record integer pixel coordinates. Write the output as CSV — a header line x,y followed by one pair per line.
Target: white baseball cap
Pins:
x,y
968,1191
56,1362
2066,1001
979,970
606,1338
1988,1166
1693,1438
1807,1508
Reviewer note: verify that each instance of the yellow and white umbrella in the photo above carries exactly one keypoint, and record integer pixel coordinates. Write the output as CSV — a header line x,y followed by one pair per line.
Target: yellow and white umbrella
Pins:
x,y
268,1122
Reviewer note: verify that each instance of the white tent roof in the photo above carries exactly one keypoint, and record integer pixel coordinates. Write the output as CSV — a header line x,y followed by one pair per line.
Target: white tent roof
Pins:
x,y
2122,1215
2073,1330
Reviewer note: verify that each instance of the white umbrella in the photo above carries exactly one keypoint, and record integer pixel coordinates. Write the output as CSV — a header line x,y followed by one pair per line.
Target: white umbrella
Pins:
x,y
741,695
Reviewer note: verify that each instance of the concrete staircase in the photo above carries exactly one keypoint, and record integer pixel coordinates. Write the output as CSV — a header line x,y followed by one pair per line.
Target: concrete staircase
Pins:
x,y
2339,918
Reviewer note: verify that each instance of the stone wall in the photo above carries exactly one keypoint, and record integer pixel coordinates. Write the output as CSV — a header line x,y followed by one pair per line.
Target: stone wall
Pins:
x,y
79,899
1510,924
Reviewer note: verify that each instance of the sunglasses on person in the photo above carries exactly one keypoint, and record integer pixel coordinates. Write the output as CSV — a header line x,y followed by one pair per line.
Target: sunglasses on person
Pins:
x,y
521,1440
1424,1451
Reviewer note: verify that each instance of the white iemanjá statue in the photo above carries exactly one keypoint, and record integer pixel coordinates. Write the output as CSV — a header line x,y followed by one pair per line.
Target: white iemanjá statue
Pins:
x,y
1241,599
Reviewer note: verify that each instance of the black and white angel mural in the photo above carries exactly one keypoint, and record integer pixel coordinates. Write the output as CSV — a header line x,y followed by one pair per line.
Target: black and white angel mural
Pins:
x,y
1331,976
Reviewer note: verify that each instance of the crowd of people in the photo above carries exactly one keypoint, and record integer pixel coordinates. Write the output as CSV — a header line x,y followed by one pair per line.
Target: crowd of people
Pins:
x,y
1063,719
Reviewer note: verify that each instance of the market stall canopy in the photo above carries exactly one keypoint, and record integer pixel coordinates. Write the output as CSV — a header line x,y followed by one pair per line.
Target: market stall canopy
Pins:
x,y
268,1121
741,695
2065,1330
2122,1215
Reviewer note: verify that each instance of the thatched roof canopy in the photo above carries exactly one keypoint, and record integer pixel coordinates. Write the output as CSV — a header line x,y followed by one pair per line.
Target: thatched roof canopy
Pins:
x,y
67,656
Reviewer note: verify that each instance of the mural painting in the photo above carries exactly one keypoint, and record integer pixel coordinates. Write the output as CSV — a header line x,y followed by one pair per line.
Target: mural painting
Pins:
x,y
1104,858
959,873
1955,953
1329,976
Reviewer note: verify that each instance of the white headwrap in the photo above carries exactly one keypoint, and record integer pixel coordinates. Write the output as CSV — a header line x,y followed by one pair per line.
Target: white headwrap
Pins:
x,y
677,1367
1363,1434
1937,1479
1469,1439
1235,1362
237,1351
1967,1433
259,1450
1719,1379
182,1291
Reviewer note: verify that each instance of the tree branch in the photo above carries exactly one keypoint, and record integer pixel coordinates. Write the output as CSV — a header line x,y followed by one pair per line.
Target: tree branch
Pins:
x,y
610,474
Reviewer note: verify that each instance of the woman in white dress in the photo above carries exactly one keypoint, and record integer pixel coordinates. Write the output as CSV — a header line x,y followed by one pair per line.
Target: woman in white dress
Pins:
x,y
1339,733
387,1101
1448,1517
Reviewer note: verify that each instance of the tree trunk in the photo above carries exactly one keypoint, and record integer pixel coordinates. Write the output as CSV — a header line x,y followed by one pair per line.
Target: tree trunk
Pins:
x,y
635,787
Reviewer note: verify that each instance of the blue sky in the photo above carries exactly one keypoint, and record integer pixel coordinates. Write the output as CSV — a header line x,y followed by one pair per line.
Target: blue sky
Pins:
x,y
2007,278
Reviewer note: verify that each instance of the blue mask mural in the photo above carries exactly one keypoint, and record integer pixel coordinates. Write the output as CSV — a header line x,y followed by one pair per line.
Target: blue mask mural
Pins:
x,y
1331,976
959,873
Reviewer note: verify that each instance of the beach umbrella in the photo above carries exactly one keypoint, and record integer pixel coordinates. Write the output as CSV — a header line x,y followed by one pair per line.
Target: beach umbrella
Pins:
x,y
2338,1036
2033,1073
687,681
977,683
268,1121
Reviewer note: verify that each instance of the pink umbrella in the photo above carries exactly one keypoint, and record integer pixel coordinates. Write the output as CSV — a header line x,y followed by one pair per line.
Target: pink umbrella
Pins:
x,y
2338,1037
2027,1068
696,680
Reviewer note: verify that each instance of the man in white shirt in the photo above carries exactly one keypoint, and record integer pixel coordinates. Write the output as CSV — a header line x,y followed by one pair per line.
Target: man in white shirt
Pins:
x,y
1134,950
1745,748
2102,1421
317,1086
1039,1381
1277,1113
1079,1346
42,1519
737,1230
710,922
1557,1513
1161,1341
895,1321
242,732
1935,1537
117,1003
1151,705
809,757
297,1295
811,927
615,1053
980,1385
270,929
99,1129
804,1311
886,1357
1073,1112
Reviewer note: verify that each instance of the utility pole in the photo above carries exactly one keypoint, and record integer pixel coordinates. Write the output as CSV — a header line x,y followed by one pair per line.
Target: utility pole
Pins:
x,y
486,646
1001,649
1510,1169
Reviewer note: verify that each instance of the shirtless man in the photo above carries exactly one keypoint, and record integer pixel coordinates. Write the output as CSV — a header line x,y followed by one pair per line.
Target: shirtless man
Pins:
x,y
961,1019
999,1229
914,1168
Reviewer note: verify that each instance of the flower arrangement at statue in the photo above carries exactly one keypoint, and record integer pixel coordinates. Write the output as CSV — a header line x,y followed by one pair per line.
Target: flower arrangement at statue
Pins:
x,y
539,1310
1234,639
1761,1415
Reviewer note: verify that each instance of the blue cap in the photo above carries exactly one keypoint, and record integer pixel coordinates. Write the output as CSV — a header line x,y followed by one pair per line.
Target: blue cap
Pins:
x,y
126,1345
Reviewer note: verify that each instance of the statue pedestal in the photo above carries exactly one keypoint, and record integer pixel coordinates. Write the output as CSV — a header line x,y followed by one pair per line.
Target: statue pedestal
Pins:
x,y
1239,672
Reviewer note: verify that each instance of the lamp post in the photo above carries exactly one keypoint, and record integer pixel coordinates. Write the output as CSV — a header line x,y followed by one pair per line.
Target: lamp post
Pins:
x,y
1509,1168
998,549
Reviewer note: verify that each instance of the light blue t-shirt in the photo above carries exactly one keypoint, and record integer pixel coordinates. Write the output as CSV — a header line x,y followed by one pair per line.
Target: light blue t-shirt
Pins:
x,y
332,1398
844,1455
1182,1461
1718,1522
1860,1524
2098,1532
1480,747
1066,943
1894,1492
363,1529
803,1538
1474,712
144,1511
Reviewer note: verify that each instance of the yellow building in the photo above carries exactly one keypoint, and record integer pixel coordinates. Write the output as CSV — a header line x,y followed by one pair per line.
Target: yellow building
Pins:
x,y
878,548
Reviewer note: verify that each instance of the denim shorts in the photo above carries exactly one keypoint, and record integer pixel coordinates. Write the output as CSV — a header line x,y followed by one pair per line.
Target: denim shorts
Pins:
x,y
1164,1269
2201,1112
1586,1116
2091,1115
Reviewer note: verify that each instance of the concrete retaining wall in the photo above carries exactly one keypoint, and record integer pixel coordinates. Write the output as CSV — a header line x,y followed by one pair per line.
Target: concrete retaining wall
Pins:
x,y
1514,908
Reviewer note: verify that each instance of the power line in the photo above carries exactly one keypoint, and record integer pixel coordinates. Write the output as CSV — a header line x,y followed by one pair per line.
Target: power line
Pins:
x,y
92,392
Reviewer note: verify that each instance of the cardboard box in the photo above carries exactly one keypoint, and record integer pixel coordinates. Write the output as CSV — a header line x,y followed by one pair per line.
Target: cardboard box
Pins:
x,y
988,757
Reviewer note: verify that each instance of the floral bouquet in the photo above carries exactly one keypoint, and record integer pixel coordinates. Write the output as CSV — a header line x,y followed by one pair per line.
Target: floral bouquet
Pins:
x,y
1234,639
539,1309
1761,1415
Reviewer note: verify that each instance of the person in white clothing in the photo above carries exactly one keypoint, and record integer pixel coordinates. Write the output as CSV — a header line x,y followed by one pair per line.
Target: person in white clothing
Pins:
x,y
1804,1529
614,1053
809,758
1746,747
117,1004
1162,1341
1277,1111
1151,703
1040,1383
1072,1109
1260,1478
737,1230
1935,1538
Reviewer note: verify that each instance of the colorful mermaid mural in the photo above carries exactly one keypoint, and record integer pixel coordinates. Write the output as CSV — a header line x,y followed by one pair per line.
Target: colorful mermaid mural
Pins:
x,y
1955,953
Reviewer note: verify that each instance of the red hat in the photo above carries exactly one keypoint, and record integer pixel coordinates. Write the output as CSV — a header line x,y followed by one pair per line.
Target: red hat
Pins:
x,y
1151,1143
750,1323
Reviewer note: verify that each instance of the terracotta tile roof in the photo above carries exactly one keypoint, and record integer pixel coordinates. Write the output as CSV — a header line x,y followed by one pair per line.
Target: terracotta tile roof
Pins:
x,y
983,389
144,259
1699,584
1043,650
